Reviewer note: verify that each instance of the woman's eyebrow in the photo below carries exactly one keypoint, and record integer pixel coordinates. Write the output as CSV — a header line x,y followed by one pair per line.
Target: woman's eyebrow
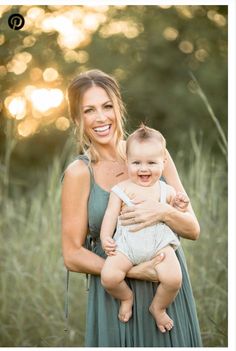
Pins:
x,y
104,103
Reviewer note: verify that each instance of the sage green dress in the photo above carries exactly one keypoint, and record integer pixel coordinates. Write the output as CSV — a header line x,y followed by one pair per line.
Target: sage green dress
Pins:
x,y
103,328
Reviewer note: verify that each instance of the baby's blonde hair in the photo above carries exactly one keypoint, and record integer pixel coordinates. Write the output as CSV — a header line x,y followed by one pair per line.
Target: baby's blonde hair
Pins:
x,y
144,133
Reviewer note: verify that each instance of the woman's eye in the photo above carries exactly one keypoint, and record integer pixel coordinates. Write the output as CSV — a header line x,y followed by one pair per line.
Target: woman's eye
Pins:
x,y
89,110
108,107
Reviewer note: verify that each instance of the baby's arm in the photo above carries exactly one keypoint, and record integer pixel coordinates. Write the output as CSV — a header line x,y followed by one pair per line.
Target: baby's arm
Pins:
x,y
109,224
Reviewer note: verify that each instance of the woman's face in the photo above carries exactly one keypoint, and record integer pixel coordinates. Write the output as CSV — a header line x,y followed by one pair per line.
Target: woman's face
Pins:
x,y
98,115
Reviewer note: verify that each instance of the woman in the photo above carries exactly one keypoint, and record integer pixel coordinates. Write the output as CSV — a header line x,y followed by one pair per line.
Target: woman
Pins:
x,y
97,109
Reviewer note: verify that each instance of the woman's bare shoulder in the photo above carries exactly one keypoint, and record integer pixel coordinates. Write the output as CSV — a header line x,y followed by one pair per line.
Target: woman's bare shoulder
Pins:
x,y
77,170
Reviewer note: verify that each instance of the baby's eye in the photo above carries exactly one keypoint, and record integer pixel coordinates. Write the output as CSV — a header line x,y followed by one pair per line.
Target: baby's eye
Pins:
x,y
136,163
151,163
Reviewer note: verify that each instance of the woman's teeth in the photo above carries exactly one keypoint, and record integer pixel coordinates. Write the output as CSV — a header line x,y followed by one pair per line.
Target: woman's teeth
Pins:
x,y
102,129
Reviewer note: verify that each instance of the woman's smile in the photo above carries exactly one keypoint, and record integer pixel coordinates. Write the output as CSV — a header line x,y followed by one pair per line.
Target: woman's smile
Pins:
x,y
103,130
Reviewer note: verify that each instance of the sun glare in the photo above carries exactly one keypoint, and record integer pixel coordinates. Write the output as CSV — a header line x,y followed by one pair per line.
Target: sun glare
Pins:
x,y
44,99
16,106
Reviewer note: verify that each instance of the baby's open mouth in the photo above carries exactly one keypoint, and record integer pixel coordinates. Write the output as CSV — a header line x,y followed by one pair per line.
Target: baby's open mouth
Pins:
x,y
145,177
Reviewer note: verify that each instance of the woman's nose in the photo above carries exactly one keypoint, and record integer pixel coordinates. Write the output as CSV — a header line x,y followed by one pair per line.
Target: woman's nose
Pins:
x,y
100,116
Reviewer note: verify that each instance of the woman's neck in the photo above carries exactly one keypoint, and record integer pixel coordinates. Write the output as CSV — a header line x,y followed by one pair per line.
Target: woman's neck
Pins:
x,y
107,152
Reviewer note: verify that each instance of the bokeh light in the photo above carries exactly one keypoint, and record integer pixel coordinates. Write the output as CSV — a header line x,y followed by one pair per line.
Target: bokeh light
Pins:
x,y
170,33
27,127
2,39
186,47
50,74
44,99
62,123
128,28
18,64
16,106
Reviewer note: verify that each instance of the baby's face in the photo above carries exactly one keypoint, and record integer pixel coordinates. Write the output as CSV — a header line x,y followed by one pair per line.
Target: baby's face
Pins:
x,y
145,162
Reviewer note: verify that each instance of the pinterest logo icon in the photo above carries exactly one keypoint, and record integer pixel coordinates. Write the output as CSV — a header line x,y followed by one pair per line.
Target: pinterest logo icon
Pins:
x,y
16,21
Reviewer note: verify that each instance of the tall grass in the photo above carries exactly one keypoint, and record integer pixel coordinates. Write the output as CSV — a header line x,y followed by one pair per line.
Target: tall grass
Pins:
x,y
206,182
32,273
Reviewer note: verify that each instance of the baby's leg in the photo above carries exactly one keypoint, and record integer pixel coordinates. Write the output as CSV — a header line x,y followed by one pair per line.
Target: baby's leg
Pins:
x,y
170,278
112,278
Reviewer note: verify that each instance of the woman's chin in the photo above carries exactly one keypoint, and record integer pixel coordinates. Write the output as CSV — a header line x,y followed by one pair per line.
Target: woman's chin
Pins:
x,y
103,138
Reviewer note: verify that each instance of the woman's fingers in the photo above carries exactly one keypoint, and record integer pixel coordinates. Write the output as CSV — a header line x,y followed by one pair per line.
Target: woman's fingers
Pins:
x,y
138,227
132,221
127,212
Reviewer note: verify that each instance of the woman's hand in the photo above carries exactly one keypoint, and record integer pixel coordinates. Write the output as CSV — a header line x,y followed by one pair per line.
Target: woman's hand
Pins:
x,y
147,270
143,214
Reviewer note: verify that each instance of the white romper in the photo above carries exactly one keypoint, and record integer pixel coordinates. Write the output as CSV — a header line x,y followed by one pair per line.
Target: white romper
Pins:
x,y
144,244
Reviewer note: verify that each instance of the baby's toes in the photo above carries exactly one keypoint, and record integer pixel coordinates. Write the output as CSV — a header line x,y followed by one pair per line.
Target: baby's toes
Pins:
x,y
169,326
162,328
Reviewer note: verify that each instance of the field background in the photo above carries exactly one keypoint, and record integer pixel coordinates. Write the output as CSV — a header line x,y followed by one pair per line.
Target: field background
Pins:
x,y
171,62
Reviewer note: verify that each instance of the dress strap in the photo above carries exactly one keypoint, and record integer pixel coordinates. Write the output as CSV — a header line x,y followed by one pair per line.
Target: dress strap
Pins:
x,y
122,195
163,191
85,159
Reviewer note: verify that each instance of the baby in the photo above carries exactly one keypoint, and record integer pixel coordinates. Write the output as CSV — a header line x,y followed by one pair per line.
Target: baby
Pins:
x,y
145,152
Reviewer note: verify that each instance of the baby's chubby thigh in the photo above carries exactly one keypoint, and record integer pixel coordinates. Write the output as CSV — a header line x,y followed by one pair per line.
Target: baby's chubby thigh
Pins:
x,y
169,270
114,270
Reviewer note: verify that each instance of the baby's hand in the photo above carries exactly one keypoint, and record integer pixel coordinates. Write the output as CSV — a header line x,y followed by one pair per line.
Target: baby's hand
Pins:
x,y
181,201
109,246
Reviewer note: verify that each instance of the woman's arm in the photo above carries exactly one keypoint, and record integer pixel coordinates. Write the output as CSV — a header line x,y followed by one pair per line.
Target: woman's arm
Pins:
x,y
186,223
150,212
75,193
109,224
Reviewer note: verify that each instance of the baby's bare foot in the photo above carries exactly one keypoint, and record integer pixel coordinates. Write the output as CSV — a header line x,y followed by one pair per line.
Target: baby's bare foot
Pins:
x,y
125,311
163,321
